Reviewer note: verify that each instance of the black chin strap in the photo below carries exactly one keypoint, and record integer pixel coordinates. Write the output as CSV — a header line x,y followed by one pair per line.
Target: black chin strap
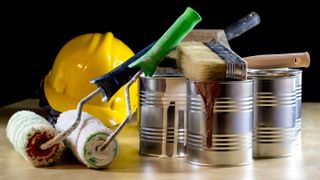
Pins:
x,y
43,103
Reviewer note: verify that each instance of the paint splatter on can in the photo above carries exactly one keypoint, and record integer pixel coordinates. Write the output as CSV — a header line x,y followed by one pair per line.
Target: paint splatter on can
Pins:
x,y
163,114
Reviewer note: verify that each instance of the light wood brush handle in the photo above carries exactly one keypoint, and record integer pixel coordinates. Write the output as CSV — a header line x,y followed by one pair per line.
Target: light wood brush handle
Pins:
x,y
289,60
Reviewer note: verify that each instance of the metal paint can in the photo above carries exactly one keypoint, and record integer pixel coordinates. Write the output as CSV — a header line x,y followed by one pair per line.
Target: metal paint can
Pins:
x,y
274,130
163,114
231,125
298,76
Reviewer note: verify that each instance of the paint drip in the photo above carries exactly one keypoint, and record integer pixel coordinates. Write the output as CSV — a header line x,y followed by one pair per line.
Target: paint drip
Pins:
x,y
209,91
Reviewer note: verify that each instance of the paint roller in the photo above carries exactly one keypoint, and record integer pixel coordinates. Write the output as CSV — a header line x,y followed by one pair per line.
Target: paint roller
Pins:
x,y
92,143
26,131
85,140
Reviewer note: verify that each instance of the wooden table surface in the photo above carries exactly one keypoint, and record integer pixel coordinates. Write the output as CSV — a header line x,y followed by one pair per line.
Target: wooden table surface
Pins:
x,y
305,164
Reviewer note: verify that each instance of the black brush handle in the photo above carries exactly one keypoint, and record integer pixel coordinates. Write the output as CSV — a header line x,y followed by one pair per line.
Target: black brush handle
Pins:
x,y
115,79
242,25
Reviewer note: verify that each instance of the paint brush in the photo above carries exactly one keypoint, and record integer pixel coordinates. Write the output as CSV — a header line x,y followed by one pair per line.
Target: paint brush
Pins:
x,y
210,61
232,31
215,61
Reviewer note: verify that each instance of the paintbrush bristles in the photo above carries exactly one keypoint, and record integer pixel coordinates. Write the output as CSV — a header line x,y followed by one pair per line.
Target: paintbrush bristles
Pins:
x,y
198,62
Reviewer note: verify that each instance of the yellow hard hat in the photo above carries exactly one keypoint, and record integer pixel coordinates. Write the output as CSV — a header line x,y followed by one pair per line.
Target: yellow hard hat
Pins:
x,y
80,60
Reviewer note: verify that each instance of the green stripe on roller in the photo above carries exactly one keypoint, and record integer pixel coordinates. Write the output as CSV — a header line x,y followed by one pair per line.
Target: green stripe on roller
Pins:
x,y
92,160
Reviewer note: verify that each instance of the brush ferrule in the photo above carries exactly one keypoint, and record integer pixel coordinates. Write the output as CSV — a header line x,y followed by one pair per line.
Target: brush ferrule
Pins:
x,y
236,67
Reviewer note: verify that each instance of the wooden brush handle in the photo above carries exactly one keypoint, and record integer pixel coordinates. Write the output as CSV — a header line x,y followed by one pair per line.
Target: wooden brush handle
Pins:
x,y
289,60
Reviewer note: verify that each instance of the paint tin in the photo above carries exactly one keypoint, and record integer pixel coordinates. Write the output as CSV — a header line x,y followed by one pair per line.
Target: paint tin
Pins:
x,y
231,128
298,76
163,114
274,130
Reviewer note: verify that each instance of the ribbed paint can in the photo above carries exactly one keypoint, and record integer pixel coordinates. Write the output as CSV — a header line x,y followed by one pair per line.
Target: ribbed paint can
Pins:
x,y
227,140
274,130
163,114
298,77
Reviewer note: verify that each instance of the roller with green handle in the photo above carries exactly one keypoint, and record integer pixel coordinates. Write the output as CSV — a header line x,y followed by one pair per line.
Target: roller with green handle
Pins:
x,y
103,154
148,58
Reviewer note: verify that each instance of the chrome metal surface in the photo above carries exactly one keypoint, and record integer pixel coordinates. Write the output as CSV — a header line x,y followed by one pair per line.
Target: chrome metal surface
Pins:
x,y
232,126
298,76
274,114
163,114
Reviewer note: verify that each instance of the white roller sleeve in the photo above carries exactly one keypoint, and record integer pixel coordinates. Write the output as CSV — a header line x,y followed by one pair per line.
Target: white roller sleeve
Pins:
x,y
26,131
86,138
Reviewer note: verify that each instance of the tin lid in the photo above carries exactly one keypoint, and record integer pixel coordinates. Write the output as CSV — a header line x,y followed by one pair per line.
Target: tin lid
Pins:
x,y
166,72
270,73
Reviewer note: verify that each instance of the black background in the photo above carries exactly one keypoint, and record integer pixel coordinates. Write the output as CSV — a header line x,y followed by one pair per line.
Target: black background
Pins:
x,y
33,34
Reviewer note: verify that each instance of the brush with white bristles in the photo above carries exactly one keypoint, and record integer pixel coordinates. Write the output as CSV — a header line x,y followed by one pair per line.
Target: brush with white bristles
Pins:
x,y
215,61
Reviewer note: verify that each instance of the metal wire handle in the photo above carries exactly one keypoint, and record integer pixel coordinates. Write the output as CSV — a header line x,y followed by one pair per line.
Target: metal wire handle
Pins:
x,y
116,132
61,136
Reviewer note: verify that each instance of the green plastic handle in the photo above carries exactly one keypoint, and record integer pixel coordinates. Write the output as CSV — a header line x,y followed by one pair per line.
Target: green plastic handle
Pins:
x,y
169,40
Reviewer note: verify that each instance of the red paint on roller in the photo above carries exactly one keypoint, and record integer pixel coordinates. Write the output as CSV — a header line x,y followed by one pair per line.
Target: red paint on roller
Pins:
x,y
33,147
